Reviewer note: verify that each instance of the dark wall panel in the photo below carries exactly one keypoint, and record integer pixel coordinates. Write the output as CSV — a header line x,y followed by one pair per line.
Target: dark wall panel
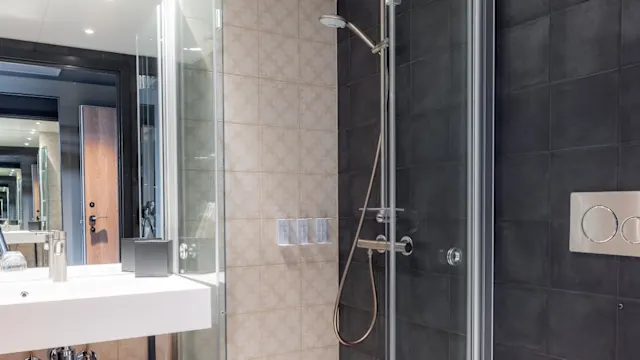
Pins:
x,y
567,120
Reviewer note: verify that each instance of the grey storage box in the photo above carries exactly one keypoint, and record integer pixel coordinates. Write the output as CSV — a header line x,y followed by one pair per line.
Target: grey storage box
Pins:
x,y
152,257
147,257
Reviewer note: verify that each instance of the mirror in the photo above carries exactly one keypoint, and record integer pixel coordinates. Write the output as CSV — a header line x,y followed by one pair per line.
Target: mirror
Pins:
x,y
25,162
60,150
10,183
99,178
27,190
4,203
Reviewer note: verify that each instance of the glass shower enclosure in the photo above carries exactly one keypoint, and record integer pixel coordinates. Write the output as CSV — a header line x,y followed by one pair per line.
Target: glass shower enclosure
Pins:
x,y
180,156
434,65
435,71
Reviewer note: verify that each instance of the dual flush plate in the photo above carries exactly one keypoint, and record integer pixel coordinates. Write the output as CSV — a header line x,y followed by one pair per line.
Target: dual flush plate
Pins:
x,y
606,223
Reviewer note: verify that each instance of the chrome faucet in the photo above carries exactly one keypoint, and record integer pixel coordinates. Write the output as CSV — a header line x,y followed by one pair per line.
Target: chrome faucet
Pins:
x,y
58,256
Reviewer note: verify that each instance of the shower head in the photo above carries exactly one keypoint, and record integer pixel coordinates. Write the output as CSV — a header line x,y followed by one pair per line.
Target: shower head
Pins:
x,y
337,21
333,21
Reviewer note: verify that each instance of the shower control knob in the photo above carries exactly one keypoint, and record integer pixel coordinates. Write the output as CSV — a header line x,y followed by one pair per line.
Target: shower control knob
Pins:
x,y
454,256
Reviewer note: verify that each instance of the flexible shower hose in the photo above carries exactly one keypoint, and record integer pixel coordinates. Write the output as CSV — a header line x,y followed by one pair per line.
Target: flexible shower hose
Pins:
x,y
374,299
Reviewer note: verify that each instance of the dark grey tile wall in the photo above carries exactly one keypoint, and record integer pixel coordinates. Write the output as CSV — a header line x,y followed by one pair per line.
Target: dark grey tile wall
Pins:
x,y
568,119
431,176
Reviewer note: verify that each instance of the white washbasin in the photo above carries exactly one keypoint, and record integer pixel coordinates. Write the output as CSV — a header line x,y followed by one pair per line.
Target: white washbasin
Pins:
x,y
40,314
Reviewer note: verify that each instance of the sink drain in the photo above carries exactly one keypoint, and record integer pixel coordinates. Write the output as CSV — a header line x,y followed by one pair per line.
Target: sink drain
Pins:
x,y
24,294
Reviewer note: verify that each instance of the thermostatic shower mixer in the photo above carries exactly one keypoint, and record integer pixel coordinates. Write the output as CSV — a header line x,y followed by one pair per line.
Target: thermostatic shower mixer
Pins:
x,y
605,223
404,246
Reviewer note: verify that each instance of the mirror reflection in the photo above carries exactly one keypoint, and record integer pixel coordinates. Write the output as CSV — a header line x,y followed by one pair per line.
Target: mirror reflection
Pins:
x,y
59,162
80,133
10,180
29,151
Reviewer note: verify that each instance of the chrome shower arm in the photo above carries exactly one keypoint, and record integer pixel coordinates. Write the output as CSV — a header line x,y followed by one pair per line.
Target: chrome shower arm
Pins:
x,y
364,37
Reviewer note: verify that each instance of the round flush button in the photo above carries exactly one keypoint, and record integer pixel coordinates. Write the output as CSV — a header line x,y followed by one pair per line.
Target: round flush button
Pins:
x,y
599,224
631,230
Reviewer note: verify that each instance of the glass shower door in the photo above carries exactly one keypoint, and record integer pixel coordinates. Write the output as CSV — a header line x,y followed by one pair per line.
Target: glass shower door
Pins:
x,y
437,135
180,127
431,188
431,180
201,227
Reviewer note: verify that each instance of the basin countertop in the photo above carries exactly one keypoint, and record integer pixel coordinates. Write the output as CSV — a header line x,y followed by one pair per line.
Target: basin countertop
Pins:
x,y
97,303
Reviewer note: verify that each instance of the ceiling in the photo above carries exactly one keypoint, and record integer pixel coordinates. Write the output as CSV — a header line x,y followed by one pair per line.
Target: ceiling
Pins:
x,y
17,132
63,22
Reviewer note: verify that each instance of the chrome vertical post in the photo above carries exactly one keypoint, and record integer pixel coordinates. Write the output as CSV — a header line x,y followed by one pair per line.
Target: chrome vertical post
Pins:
x,y
480,179
473,183
383,134
391,142
383,107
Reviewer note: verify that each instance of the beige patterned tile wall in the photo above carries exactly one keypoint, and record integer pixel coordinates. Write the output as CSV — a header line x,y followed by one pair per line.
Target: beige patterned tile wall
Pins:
x,y
281,162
